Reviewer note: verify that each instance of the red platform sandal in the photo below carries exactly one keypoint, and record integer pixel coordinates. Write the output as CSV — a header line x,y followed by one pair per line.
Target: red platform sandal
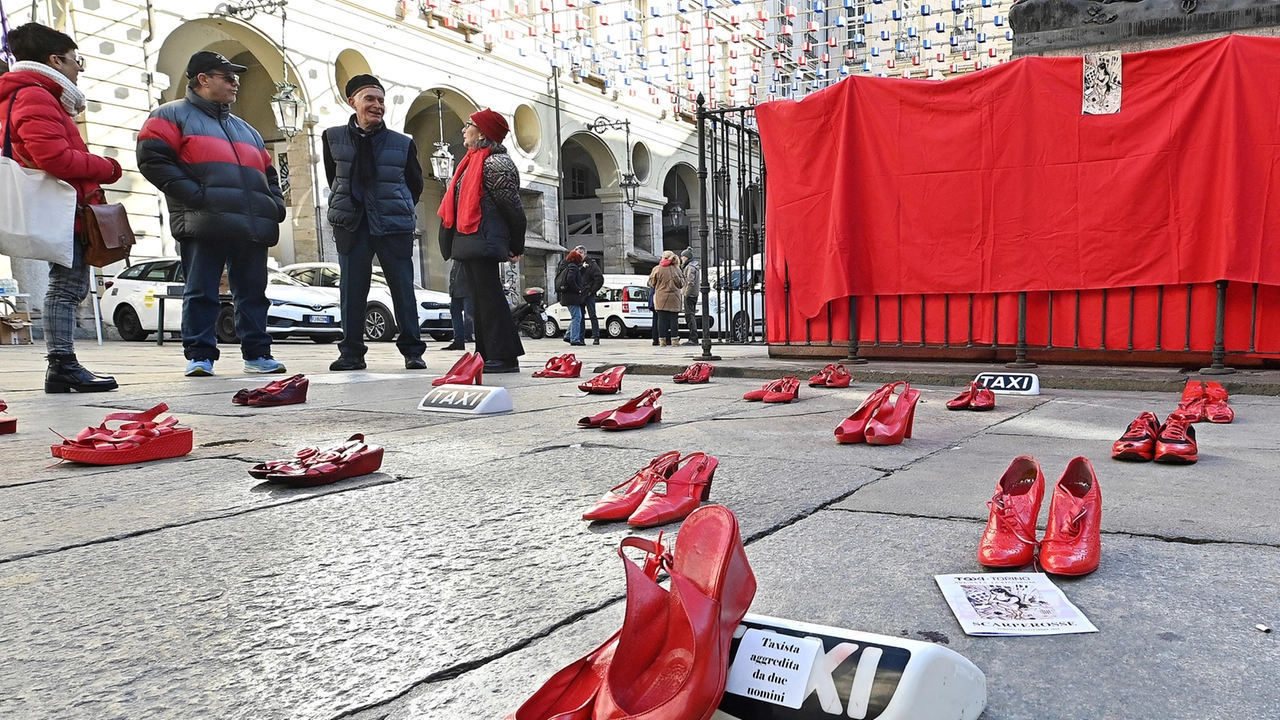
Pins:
x,y
608,382
469,370
351,459
8,425
281,392
139,439
617,506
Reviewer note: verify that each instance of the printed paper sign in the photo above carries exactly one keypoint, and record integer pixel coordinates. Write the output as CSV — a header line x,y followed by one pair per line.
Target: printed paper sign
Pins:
x,y
773,668
1011,604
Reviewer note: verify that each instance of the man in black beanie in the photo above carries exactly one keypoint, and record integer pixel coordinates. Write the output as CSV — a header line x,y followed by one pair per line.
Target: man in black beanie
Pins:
x,y
375,182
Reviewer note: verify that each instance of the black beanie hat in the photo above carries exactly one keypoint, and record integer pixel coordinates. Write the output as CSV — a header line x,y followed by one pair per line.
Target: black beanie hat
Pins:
x,y
355,84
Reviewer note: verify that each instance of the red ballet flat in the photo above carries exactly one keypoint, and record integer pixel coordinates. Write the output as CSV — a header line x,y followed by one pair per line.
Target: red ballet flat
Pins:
x,y
983,399
617,506
1072,542
893,422
636,413
139,439
1009,540
1215,404
853,428
467,371
788,390
1138,443
757,395
290,391
1176,441
608,382
347,460
686,488
8,425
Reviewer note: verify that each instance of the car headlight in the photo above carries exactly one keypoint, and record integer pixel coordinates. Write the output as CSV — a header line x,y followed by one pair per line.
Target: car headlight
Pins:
x,y
428,305
278,303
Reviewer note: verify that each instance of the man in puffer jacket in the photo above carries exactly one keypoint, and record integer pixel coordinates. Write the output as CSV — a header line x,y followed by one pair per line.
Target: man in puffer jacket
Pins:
x,y
225,209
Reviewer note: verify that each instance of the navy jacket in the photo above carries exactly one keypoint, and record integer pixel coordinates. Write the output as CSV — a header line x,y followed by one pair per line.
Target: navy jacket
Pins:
x,y
389,203
214,170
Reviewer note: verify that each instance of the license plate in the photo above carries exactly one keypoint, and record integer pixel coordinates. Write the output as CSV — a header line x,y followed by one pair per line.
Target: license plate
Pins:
x,y
318,319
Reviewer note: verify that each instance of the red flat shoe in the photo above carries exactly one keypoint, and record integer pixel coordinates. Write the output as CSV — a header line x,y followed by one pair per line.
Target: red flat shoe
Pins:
x,y
467,371
1215,404
853,428
961,401
983,399
820,380
756,395
1176,441
347,460
686,488
608,382
8,426
788,390
1010,538
672,660
1072,542
139,439
893,422
636,413
1191,405
617,506
281,392
1138,443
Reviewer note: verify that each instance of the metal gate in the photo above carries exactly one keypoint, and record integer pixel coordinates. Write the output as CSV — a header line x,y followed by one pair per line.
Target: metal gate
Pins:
x,y
731,179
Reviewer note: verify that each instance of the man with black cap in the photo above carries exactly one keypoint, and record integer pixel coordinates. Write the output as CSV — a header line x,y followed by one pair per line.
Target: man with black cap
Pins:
x,y
225,209
375,181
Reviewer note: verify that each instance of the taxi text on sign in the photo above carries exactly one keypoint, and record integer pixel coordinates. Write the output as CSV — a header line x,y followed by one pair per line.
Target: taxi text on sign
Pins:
x,y
467,399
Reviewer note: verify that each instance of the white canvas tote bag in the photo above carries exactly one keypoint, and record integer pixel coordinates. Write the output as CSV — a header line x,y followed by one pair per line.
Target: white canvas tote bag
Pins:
x,y
37,210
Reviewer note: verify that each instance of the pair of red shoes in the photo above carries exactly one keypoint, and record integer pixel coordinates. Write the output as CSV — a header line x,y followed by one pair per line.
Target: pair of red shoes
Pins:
x,y
561,366
670,659
1146,439
695,374
8,425
608,382
975,397
468,370
883,418
138,439
688,483
1072,543
835,375
783,390
290,391
634,413
315,466
1205,401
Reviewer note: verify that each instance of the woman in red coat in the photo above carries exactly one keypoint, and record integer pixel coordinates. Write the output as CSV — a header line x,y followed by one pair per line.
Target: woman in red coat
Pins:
x,y
38,101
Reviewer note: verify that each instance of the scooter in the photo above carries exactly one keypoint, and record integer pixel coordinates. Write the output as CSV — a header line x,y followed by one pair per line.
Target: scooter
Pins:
x,y
530,313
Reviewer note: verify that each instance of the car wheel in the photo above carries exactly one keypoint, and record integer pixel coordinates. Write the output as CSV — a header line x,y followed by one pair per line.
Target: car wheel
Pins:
x,y
616,328
441,336
128,324
741,331
225,327
552,328
378,324
323,339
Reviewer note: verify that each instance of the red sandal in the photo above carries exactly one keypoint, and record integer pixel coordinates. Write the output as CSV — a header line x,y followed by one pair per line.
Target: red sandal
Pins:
x,y
8,426
351,459
608,382
139,439
561,366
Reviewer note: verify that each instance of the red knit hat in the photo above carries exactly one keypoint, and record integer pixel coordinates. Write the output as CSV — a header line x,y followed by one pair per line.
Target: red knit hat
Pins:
x,y
491,124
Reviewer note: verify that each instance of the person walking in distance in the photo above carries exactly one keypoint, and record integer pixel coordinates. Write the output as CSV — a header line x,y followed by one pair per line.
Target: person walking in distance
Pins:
x,y
484,224
38,101
460,309
571,289
592,281
225,210
668,284
375,182
691,279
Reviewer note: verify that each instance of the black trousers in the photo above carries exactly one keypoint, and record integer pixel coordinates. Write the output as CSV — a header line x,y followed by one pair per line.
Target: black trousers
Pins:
x,y
496,334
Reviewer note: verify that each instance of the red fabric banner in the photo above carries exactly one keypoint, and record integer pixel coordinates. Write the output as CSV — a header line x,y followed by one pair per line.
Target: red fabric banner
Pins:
x,y
997,182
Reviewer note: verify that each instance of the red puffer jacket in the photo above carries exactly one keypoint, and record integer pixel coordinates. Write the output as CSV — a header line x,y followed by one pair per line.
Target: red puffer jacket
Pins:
x,y
45,137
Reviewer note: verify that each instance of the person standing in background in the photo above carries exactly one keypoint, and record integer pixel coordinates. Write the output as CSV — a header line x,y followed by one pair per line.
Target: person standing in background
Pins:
x,y
668,283
459,308
592,281
691,269
571,288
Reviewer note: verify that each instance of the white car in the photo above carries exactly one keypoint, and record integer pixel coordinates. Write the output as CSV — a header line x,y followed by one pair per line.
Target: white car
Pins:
x,y
130,304
379,319
622,306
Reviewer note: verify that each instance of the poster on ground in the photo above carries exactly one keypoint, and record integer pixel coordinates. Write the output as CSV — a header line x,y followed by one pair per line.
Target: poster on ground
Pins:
x,y
1011,604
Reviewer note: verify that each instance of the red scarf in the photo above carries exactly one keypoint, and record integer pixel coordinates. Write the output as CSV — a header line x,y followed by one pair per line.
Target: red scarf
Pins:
x,y
465,213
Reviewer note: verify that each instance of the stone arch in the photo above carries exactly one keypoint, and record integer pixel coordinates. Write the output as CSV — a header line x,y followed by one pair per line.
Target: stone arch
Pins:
x,y
680,212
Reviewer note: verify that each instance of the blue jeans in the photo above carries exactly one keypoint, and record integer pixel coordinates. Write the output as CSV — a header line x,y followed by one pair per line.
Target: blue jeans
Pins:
x,y
461,311
246,264
357,269
68,287
590,307
575,325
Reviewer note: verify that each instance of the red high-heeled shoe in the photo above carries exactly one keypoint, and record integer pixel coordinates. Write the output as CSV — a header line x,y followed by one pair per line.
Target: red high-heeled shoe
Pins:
x,y
672,660
561,366
853,428
893,422
756,395
1138,443
1191,406
8,425
1216,409
552,366
636,413
467,371
570,694
983,399
686,488
608,382
1072,542
626,408
1010,538
289,391
1176,441
139,439
788,390
617,506
351,459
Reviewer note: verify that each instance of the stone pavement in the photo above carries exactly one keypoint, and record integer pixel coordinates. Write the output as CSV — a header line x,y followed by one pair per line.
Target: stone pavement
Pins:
x,y
454,581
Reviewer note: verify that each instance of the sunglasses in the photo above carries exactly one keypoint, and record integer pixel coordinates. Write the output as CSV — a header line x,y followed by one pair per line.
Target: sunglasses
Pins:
x,y
229,77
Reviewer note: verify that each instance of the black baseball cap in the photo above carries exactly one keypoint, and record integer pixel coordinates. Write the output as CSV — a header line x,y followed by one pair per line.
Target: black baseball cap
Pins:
x,y
205,61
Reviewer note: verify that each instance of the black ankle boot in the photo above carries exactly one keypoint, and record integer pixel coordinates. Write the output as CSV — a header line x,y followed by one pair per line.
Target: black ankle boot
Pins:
x,y
65,374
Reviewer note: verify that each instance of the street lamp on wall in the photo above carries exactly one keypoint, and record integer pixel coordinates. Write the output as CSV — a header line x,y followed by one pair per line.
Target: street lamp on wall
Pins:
x,y
441,159
628,181
288,109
